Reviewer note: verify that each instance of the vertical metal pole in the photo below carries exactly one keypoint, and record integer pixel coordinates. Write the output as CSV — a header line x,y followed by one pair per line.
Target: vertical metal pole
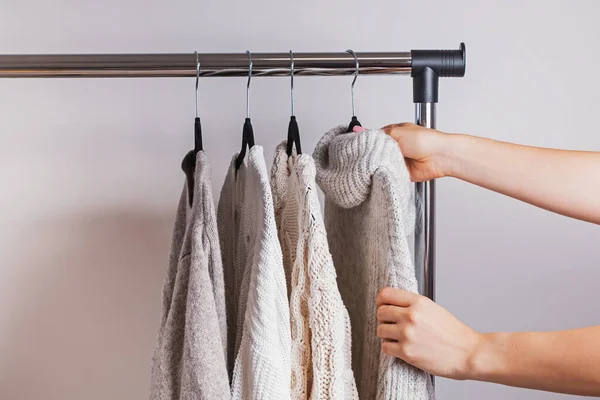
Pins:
x,y
425,224
425,227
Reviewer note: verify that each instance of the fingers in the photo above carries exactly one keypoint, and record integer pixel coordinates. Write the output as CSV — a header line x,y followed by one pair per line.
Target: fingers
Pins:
x,y
396,297
387,313
387,129
388,331
390,128
392,348
396,337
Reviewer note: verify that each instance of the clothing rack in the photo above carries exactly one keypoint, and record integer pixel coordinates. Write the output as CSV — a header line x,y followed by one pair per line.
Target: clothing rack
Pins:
x,y
424,66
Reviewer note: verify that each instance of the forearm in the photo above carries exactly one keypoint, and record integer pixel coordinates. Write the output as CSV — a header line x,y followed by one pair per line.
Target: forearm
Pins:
x,y
562,181
565,361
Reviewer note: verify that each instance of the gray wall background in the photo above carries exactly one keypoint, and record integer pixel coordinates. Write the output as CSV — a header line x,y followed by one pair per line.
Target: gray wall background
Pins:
x,y
89,169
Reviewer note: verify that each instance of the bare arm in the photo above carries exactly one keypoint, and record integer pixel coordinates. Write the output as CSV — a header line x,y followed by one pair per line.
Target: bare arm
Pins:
x,y
564,361
427,336
562,181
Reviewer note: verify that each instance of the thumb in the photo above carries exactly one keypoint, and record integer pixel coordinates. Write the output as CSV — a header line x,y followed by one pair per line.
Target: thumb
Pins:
x,y
358,129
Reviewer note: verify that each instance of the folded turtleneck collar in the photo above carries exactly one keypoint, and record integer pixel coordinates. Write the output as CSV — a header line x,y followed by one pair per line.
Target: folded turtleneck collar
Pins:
x,y
346,163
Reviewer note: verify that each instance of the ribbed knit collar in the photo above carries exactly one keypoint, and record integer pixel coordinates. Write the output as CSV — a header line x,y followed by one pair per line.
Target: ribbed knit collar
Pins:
x,y
346,162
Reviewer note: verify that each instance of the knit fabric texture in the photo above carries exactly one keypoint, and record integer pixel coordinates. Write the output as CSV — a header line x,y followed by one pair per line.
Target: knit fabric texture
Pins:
x,y
369,212
320,325
228,218
189,361
255,281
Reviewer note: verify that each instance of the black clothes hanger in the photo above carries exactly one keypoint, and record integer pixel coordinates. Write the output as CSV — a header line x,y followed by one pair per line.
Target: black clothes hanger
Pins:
x,y
247,130
293,137
354,122
189,161
197,135
247,142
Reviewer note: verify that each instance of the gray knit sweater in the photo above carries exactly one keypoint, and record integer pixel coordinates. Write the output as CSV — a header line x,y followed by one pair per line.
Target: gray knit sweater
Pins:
x,y
190,358
369,212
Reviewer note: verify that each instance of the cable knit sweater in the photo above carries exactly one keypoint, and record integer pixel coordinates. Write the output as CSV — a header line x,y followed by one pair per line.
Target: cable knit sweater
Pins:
x,y
256,282
320,326
190,358
369,212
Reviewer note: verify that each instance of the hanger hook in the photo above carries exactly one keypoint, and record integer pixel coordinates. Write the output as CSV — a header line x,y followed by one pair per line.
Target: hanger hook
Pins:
x,y
248,84
355,76
292,78
197,79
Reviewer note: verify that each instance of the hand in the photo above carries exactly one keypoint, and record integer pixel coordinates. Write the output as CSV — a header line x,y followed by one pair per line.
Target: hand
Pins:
x,y
425,335
422,149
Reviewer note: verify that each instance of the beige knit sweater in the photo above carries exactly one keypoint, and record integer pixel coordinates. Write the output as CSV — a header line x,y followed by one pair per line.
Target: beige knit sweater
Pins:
x,y
320,326
255,283
189,362
369,212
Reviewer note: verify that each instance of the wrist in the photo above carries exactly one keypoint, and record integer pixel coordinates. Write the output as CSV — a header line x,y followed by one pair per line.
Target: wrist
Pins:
x,y
447,154
486,360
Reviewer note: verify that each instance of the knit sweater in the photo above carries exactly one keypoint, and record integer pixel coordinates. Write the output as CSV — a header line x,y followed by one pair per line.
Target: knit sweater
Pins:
x,y
369,212
190,357
256,281
228,218
320,326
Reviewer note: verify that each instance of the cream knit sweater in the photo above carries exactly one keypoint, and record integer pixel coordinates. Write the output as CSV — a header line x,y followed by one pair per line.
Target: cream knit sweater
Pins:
x,y
369,212
255,281
189,362
320,326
